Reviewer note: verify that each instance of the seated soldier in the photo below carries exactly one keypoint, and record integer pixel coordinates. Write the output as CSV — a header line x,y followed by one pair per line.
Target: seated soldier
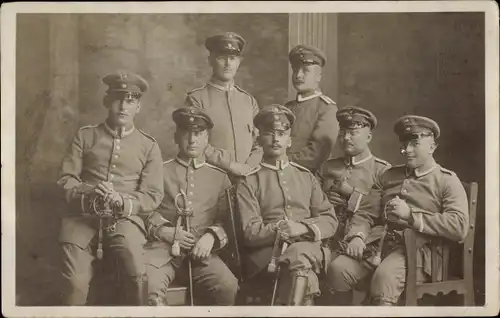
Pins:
x,y
346,179
190,184
420,195
116,164
279,190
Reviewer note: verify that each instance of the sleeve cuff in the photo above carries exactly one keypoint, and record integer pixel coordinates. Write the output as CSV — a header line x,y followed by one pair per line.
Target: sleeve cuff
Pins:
x,y
354,201
128,207
418,222
314,229
361,235
220,234
152,226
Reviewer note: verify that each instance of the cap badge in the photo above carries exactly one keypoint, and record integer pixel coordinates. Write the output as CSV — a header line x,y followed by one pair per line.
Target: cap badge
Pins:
x,y
124,85
276,117
191,111
349,117
191,119
275,109
125,75
408,129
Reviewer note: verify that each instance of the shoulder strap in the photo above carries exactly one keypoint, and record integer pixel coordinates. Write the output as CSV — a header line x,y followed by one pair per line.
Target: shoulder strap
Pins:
x,y
216,168
148,136
327,100
299,166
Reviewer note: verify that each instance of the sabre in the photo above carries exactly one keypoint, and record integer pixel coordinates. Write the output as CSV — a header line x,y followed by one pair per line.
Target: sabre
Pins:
x,y
185,213
273,267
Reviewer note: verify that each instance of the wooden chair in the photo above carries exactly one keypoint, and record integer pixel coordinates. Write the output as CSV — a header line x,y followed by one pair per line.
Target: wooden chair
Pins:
x,y
463,285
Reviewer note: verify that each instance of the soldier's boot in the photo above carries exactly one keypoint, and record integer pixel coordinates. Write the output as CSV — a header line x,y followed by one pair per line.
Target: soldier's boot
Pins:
x,y
342,298
381,302
298,291
156,300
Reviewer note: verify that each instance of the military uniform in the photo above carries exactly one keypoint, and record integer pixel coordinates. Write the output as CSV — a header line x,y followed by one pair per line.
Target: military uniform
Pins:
x,y
204,186
232,110
130,161
314,133
438,205
360,171
275,192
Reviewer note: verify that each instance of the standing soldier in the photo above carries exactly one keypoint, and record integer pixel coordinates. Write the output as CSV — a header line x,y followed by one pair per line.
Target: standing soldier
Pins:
x,y
284,191
346,179
316,128
118,164
232,144
420,195
193,185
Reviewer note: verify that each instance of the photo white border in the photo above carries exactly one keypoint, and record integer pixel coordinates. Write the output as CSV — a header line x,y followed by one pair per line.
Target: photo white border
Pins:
x,y
491,187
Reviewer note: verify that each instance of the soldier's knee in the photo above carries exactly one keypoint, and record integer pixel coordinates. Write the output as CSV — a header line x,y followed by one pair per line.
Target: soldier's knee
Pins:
x,y
342,273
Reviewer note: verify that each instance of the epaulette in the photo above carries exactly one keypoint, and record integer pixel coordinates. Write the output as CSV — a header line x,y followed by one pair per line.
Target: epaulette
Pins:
x,y
168,161
385,163
150,137
88,126
299,166
216,168
197,89
327,100
253,171
451,173
243,91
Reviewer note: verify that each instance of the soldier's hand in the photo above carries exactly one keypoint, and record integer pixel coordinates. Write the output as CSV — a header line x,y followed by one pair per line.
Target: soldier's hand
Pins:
x,y
294,229
355,248
186,239
336,199
203,247
397,208
239,169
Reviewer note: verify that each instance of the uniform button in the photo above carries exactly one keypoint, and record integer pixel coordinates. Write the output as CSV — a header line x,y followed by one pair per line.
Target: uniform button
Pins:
x,y
288,207
284,182
111,176
190,193
405,191
113,166
192,185
289,198
116,156
286,189
118,147
117,140
189,202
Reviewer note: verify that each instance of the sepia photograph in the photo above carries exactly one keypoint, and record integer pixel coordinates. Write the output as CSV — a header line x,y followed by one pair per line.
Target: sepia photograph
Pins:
x,y
224,158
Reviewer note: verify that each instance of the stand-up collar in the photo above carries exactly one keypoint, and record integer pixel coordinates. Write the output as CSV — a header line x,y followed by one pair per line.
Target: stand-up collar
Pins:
x,y
280,165
195,162
358,159
115,133
301,98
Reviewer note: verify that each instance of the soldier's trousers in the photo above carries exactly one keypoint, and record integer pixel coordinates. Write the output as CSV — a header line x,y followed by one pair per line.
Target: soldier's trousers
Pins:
x,y
387,282
213,282
77,263
301,259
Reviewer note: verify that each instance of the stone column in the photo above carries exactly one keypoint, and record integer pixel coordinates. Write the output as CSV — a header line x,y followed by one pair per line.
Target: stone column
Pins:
x,y
319,30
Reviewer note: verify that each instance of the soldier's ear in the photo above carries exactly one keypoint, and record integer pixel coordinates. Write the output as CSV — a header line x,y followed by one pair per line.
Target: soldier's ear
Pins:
x,y
138,106
369,137
319,73
106,101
